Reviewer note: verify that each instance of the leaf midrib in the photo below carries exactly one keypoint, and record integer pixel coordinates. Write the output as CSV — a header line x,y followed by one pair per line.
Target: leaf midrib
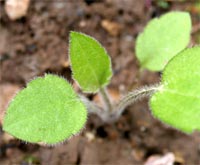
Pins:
x,y
88,64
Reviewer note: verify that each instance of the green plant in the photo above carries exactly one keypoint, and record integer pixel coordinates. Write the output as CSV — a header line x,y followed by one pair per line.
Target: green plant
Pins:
x,y
162,39
49,111
43,109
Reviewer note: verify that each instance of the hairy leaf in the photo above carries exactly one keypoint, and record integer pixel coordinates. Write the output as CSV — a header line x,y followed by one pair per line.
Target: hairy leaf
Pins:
x,y
47,110
91,65
162,39
177,103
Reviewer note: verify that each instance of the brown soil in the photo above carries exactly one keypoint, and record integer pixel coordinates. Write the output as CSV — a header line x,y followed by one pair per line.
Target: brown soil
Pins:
x,y
38,43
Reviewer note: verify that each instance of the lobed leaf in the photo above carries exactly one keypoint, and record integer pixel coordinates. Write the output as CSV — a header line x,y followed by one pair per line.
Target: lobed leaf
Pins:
x,y
162,39
91,65
177,103
47,110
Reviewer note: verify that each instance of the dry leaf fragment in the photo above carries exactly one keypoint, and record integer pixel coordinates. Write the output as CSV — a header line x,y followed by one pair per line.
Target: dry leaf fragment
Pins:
x,y
111,27
7,91
16,8
167,159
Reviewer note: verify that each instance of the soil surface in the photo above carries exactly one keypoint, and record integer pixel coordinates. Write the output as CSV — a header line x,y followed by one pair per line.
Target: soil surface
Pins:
x,y
38,43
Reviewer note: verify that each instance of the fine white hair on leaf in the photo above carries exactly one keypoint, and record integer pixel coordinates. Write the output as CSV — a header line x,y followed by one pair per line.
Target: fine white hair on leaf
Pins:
x,y
134,96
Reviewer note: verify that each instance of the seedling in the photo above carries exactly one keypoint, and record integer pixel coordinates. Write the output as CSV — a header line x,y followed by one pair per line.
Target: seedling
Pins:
x,y
48,110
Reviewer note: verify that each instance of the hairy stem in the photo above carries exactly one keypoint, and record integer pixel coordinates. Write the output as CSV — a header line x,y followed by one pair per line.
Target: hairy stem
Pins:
x,y
133,96
111,114
91,106
106,99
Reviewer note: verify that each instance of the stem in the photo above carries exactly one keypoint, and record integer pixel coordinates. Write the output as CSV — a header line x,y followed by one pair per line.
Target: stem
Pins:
x,y
106,99
133,96
91,106
110,115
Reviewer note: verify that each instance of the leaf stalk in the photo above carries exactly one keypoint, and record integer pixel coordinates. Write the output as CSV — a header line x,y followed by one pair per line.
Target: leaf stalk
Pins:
x,y
106,99
134,96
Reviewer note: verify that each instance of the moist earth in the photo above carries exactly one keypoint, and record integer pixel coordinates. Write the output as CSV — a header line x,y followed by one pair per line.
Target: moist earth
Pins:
x,y
38,43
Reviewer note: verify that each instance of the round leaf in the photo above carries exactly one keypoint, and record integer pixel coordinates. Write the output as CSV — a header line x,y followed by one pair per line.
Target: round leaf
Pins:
x,y
91,65
177,103
162,39
47,110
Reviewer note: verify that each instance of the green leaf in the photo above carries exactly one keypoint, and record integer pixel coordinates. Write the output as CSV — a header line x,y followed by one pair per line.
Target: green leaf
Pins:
x,y
47,110
162,39
177,102
91,65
